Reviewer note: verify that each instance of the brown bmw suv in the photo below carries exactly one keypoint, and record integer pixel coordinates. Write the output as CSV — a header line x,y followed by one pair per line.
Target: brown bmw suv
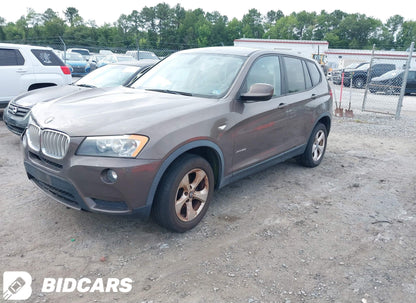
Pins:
x,y
197,121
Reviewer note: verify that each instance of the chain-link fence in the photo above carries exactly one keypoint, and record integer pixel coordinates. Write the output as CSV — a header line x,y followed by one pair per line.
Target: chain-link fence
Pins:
x,y
61,44
372,81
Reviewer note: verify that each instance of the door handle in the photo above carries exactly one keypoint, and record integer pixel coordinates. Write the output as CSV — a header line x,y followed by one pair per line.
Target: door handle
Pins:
x,y
21,71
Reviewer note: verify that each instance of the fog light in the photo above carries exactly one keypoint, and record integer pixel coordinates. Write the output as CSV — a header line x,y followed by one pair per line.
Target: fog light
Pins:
x,y
112,176
109,176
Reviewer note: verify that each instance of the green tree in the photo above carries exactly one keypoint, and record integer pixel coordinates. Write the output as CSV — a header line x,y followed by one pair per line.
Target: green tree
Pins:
x,y
253,24
285,28
72,16
49,15
234,30
407,34
148,15
218,25
390,32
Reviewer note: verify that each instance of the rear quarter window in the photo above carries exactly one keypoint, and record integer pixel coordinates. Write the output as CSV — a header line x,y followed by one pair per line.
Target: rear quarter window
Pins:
x,y
293,70
314,73
47,57
11,57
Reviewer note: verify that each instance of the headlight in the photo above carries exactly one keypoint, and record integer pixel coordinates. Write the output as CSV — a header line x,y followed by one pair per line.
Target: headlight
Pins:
x,y
128,146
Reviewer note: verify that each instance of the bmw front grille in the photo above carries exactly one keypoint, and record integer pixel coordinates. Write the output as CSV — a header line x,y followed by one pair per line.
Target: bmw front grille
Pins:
x,y
53,144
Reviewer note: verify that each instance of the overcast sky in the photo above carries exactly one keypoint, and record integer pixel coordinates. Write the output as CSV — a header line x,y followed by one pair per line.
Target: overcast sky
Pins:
x,y
109,11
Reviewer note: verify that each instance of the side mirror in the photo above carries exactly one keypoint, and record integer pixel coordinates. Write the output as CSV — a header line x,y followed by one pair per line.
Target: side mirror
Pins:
x,y
258,92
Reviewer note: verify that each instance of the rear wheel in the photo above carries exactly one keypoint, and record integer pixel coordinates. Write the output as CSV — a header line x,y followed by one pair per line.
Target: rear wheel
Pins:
x,y
316,147
184,193
359,82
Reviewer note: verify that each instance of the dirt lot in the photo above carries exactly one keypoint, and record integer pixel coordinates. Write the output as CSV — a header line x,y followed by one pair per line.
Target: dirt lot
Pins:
x,y
342,232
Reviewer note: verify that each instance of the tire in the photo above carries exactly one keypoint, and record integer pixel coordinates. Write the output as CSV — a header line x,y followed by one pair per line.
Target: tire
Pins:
x,y
184,194
359,82
316,147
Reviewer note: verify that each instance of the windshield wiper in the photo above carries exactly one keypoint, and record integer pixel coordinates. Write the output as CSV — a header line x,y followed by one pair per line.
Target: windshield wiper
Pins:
x,y
86,85
168,91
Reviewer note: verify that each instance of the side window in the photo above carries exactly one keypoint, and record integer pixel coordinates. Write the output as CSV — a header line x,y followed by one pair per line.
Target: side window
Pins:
x,y
308,80
11,57
294,74
47,57
412,75
265,70
314,73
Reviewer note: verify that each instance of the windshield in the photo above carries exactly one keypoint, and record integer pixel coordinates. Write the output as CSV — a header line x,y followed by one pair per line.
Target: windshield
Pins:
x,y
352,66
109,76
364,66
74,57
196,74
391,74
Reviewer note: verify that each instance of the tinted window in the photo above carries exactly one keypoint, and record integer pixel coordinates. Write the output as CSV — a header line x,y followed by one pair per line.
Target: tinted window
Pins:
x,y
308,80
265,70
411,76
47,57
10,57
294,74
314,73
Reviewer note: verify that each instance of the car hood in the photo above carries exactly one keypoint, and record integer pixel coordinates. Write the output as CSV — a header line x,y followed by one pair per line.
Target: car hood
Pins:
x,y
77,63
117,111
380,79
33,97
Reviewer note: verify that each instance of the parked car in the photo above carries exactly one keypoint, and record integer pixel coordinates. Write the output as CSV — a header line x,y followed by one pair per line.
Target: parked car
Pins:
x,y
391,82
198,120
140,55
24,68
85,53
360,75
115,58
337,73
77,63
17,113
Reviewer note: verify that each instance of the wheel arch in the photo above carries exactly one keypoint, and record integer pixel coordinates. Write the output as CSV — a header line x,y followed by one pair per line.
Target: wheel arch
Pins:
x,y
40,85
203,148
325,120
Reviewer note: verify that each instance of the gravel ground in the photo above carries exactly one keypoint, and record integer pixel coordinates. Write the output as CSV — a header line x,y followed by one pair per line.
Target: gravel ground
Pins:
x,y
342,232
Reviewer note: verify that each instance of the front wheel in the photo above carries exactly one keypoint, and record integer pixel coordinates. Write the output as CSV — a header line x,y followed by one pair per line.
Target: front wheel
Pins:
x,y
316,147
184,193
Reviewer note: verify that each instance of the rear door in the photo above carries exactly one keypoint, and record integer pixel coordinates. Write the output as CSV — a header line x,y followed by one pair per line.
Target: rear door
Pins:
x,y
13,68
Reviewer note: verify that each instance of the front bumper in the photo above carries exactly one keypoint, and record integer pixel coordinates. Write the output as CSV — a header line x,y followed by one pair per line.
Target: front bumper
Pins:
x,y
18,121
78,182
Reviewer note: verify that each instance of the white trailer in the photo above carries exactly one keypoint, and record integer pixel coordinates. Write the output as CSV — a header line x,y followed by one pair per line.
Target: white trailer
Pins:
x,y
306,48
344,57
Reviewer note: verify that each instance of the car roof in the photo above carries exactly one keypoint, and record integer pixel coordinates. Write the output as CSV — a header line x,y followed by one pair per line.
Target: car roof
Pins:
x,y
226,50
239,51
12,45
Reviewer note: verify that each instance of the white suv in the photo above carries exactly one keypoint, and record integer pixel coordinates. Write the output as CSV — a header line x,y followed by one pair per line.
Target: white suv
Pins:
x,y
25,67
